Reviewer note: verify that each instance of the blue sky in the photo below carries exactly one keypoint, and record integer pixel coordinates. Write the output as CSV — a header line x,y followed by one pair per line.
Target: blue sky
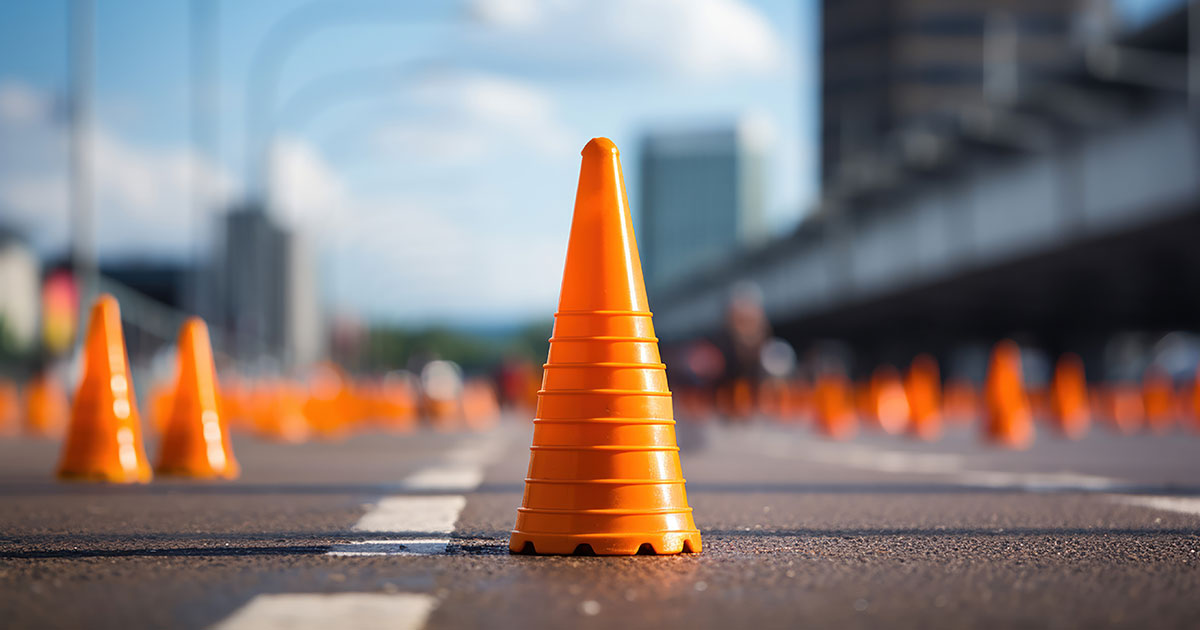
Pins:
x,y
443,191
438,188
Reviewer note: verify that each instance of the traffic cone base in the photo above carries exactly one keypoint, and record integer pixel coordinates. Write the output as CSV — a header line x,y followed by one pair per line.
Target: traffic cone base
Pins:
x,y
650,543
604,475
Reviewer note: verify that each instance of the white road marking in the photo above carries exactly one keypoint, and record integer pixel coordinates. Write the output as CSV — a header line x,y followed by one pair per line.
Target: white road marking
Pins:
x,y
462,472
448,478
954,466
304,611
1183,505
1041,482
431,515
397,547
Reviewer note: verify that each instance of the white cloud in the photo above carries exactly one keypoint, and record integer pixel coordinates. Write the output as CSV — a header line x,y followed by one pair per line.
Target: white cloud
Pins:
x,y
141,194
20,103
464,117
695,38
308,192
415,254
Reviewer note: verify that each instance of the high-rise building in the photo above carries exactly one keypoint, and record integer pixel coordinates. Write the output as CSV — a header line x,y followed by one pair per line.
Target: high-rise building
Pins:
x,y
701,199
889,63
266,296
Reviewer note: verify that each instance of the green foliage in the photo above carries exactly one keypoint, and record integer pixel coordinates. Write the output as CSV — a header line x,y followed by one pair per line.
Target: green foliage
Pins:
x,y
395,347
12,356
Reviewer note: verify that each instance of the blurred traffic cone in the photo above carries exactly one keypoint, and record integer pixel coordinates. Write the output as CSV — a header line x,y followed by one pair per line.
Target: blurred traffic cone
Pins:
x,y
1069,397
10,409
47,409
104,442
396,406
604,471
923,385
1158,397
196,442
162,402
480,407
329,407
277,411
887,401
1192,403
833,407
960,402
1124,406
1008,418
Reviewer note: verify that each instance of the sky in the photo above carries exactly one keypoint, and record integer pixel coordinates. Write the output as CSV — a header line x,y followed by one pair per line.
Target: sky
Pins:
x,y
427,151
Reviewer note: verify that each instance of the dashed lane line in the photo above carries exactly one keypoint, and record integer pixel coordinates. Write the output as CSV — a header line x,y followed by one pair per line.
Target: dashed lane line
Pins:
x,y
434,515
1182,505
367,611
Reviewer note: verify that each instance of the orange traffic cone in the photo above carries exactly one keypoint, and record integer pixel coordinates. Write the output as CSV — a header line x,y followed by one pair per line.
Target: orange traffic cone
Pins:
x,y
277,410
887,402
960,402
162,402
923,386
1007,415
1069,397
330,406
833,406
1193,409
1158,396
196,442
604,471
47,409
10,409
104,442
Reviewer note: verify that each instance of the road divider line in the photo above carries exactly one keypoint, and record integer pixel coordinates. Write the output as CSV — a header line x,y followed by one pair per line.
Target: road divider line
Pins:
x,y
432,515
1182,505
447,478
950,465
305,611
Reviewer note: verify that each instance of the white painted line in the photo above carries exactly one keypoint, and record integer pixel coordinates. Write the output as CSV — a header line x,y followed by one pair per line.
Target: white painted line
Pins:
x,y
397,547
305,611
448,478
954,466
432,515
1040,482
1183,505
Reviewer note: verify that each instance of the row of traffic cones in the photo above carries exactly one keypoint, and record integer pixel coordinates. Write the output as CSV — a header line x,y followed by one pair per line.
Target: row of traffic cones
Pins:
x,y
104,437
329,406
916,402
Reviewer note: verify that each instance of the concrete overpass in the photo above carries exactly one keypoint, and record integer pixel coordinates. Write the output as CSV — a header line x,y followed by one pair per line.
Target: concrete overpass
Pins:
x,y
1069,215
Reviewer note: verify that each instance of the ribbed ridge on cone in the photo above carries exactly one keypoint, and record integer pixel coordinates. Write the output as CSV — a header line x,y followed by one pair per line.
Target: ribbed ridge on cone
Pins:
x,y
104,441
196,443
604,466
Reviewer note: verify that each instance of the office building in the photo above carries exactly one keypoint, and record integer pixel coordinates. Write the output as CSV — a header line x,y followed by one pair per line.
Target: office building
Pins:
x,y
887,64
266,292
701,200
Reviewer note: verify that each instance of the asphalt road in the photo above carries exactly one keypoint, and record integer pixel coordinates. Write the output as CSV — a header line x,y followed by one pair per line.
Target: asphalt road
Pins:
x,y
797,531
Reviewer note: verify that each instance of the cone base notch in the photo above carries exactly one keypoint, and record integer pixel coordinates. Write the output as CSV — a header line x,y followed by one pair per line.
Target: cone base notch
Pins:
x,y
659,543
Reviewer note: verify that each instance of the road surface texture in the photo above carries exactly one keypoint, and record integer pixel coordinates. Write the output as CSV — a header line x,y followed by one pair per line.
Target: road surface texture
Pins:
x,y
412,531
